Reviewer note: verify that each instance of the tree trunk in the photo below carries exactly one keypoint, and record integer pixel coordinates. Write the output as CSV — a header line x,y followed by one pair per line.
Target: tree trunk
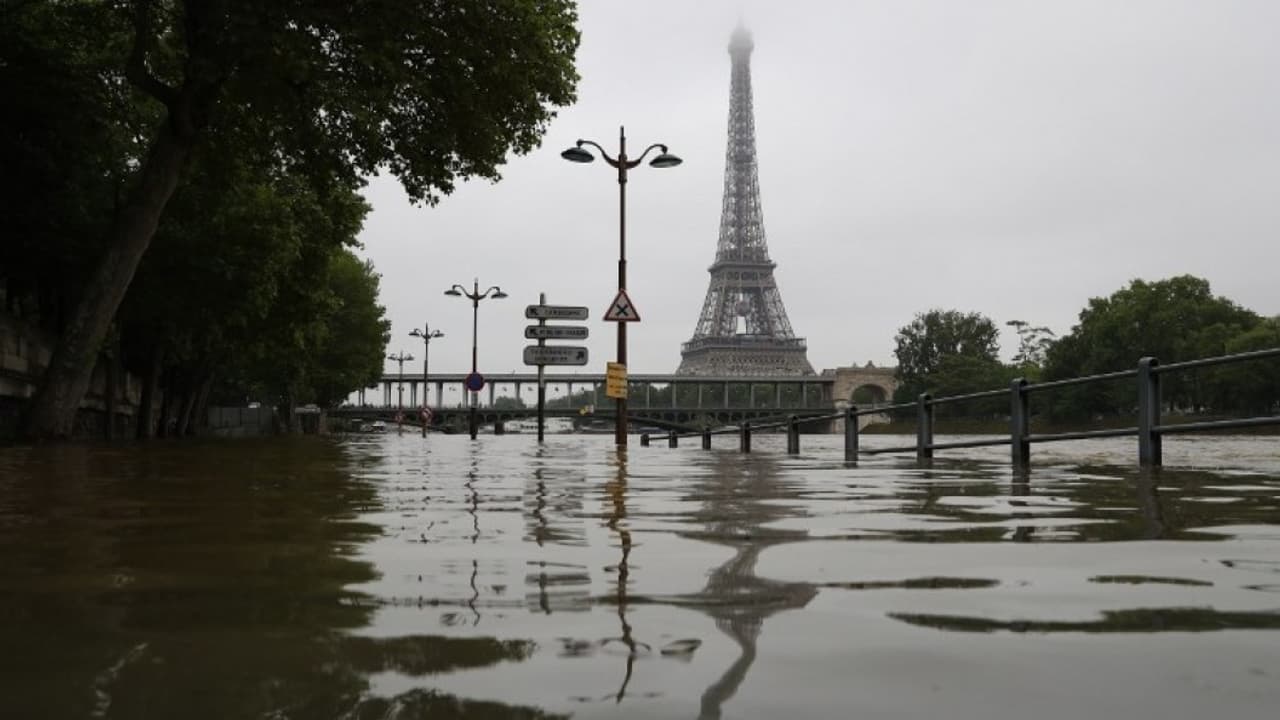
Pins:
x,y
200,420
52,412
184,412
109,395
146,409
166,403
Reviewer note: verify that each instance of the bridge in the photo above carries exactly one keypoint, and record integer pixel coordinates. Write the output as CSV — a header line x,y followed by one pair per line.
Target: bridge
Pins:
x,y
678,402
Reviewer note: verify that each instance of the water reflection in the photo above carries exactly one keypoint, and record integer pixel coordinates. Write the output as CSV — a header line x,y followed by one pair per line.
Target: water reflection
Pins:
x,y
186,580
301,579
740,499
616,494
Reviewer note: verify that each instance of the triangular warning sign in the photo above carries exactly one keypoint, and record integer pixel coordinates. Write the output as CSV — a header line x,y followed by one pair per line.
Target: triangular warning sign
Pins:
x,y
622,309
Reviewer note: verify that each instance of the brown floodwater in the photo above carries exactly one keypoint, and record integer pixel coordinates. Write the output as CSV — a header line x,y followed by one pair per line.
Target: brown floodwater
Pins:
x,y
391,576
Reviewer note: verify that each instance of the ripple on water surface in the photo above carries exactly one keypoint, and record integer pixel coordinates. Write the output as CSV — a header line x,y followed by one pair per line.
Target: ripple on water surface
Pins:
x,y
392,576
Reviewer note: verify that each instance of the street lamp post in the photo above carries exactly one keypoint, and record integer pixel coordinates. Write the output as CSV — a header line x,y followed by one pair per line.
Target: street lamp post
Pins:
x,y
623,164
400,358
475,296
426,333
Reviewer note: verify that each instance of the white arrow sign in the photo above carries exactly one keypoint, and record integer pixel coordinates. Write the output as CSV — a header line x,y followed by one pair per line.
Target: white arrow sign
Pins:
x,y
555,355
555,332
555,312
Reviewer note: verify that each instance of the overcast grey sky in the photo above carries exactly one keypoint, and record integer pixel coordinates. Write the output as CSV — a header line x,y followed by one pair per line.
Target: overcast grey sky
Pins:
x,y
1006,157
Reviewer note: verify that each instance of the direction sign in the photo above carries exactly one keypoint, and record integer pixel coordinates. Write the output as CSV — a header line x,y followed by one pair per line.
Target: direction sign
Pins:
x,y
555,312
555,355
474,382
622,309
555,332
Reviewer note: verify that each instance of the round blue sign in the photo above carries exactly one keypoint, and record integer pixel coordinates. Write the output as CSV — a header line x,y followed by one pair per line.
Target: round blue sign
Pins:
x,y
475,382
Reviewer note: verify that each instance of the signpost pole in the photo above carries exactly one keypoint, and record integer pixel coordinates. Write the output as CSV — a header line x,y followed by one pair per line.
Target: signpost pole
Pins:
x,y
542,387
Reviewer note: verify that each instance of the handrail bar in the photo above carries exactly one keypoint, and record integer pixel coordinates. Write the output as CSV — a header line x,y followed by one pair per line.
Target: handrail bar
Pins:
x,y
1219,424
967,396
1082,435
1082,380
1219,360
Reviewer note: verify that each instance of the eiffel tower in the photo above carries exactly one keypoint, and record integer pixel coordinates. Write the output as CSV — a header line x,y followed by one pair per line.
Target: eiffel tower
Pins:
x,y
743,328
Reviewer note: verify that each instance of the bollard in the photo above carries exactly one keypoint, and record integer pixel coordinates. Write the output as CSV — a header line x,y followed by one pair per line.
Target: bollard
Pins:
x,y
793,436
673,440
851,434
744,441
499,428
924,427
1020,423
1150,451
706,438
644,440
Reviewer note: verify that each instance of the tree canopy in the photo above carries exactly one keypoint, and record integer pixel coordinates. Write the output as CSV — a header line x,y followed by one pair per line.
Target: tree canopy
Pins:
x,y
193,122
923,346
1175,319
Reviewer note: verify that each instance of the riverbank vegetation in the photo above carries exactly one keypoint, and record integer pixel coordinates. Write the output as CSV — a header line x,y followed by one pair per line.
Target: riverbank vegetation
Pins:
x,y
947,352
181,180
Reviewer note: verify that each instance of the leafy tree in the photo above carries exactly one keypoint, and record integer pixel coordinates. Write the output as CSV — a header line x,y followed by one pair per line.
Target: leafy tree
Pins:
x,y
1033,345
350,354
1252,387
935,335
1174,319
963,374
431,91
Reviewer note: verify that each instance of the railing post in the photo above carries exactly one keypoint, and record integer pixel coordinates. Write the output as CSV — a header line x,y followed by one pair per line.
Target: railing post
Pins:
x,y
673,440
924,427
1019,423
851,434
793,436
644,440
706,438
744,440
1149,441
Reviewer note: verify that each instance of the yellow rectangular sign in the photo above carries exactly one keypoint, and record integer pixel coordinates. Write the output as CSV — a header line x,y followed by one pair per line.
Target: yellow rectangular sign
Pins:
x,y
615,385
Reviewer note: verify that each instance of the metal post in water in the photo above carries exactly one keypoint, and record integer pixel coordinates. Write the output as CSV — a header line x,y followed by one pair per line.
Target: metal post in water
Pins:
x,y
644,440
744,440
924,427
851,434
673,440
793,435
706,438
1150,451
1019,423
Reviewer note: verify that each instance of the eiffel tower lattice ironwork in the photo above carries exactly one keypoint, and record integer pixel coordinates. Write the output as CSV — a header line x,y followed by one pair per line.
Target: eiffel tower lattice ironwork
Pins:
x,y
743,328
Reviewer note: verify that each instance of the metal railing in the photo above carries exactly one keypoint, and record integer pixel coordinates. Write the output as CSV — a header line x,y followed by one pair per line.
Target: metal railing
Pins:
x,y
1150,430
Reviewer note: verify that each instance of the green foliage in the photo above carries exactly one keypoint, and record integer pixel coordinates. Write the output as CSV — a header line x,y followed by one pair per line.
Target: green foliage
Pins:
x,y
933,336
509,403
433,92
1033,347
1252,387
1172,320
279,111
65,149
964,374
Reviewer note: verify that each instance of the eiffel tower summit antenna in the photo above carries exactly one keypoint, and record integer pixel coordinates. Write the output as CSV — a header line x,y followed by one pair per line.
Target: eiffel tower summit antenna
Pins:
x,y
743,328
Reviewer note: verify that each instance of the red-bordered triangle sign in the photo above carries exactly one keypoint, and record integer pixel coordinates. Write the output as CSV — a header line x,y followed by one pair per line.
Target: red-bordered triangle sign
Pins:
x,y
622,309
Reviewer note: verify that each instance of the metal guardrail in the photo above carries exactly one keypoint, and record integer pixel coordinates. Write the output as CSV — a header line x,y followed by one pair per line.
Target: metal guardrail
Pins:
x,y
1149,429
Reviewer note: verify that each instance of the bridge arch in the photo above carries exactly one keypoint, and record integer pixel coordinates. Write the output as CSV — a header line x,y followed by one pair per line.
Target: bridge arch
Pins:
x,y
865,385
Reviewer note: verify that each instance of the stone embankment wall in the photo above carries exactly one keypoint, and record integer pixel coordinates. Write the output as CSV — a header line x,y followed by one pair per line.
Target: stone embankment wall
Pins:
x,y
24,355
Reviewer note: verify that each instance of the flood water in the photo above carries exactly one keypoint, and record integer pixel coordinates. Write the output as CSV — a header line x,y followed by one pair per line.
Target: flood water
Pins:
x,y
396,577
